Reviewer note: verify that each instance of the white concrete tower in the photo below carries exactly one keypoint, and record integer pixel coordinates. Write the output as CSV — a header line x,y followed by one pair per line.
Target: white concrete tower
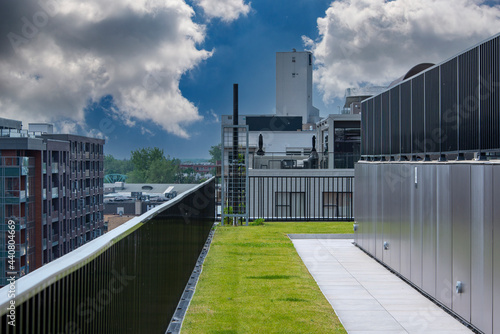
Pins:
x,y
294,86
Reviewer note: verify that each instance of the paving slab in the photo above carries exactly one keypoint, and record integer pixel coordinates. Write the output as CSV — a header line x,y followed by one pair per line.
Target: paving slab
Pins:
x,y
368,298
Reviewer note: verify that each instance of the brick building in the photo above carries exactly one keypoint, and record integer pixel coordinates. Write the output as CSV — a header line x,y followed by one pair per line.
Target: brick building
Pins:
x,y
51,190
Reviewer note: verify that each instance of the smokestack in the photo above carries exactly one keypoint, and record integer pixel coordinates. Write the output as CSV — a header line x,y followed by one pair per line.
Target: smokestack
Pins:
x,y
235,104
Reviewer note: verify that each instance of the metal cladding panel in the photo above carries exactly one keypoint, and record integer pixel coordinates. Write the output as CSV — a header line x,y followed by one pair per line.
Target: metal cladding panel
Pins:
x,y
367,237
395,126
482,247
407,185
373,209
432,130
461,199
386,213
417,194
444,286
405,117
366,205
468,111
362,183
449,116
359,203
393,205
489,91
377,125
379,200
427,182
370,233
496,249
417,114
357,199
386,125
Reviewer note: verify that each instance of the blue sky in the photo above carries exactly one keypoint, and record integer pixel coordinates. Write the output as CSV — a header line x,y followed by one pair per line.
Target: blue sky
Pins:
x,y
244,54
160,72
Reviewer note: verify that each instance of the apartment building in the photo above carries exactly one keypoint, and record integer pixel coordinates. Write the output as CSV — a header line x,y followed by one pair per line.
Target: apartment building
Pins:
x,y
51,195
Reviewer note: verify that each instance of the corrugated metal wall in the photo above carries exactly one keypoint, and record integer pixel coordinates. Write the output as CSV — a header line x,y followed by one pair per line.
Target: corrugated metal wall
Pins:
x,y
441,225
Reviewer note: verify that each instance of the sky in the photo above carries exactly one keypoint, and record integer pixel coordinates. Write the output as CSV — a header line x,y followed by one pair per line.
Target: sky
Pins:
x,y
159,73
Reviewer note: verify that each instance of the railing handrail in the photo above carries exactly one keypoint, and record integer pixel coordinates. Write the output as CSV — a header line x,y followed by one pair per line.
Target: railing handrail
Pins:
x,y
32,283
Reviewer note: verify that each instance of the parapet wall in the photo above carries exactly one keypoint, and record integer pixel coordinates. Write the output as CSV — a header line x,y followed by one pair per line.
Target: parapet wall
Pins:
x,y
438,225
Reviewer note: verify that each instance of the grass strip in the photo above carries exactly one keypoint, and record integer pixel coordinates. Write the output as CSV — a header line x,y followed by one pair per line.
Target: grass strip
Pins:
x,y
253,281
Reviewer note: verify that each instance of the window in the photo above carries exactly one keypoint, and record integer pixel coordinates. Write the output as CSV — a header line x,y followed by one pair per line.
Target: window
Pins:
x,y
290,204
337,204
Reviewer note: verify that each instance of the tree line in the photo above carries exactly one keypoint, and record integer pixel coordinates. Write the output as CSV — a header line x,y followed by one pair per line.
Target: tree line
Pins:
x,y
150,165
147,165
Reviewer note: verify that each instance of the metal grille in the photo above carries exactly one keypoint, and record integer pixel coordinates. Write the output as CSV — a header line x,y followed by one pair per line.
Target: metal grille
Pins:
x,y
468,103
431,143
489,93
405,117
395,123
386,125
449,110
417,114
234,174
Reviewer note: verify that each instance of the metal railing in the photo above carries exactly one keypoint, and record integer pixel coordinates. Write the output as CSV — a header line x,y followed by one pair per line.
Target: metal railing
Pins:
x,y
300,160
129,280
301,198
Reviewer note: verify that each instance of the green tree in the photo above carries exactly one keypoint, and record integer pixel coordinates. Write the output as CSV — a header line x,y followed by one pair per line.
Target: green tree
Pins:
x,y
163,171
151,166
116,166
144,157
215,153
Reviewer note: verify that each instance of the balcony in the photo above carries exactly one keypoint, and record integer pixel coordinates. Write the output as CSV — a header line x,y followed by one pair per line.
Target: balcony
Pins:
x,y
123,263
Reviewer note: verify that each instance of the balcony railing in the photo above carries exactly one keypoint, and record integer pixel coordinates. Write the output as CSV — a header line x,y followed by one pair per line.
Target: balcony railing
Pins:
x,y
301,160
129,280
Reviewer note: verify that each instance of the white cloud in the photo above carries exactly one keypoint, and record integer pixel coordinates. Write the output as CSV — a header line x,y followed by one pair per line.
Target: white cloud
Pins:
x,y
61,55
226,10
377,41
214,116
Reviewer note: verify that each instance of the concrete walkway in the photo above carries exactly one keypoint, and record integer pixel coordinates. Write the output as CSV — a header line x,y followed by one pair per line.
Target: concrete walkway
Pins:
x,y
368,298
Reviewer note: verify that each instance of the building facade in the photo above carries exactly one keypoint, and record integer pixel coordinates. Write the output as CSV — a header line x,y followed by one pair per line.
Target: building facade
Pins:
x,y
294,86
51,191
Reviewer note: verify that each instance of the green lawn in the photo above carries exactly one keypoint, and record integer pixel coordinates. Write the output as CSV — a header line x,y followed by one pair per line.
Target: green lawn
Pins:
x,y
253,281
